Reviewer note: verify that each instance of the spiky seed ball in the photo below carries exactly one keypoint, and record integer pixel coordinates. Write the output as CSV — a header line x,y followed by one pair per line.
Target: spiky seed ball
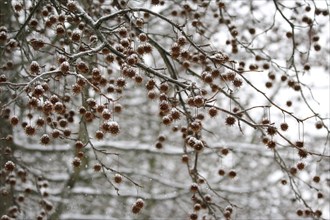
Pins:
x,y
63,123
138,79
79,145
99,135
185,158
147,48
121,82
208,198
167,120
271,144
72,6
265,121
229,209
293,171
67,132
164,106
97,167
155,2
319,125
152,94
150,84
193,216
143,37
114,128
139,203
319,195
224,151
118,108
194,187
29,130
159,145
196,126
163,97
300,144
76,162
197,207
45,139
300,166
164,87
317,47
106,115
198,146
139,22
10,166
221,172
34,67
316,179
55,133
237,82
118,178
318,213
284,182
135,209
302,153
230,120
284,126
208,78
299,212
181,41
213,112
268,84
123,31
232,174
198,101
271,130
175,114
161,138
140,49
14,120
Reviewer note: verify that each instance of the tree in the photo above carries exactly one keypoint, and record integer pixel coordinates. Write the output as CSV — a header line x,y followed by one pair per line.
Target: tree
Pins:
x,y
164,109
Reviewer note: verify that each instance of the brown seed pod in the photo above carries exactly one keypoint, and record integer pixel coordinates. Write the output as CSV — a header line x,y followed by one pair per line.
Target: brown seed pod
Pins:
x,y
76,162
29,130
14,120
194,187
185,158
271,144
316,179
232,174
319,125
213,112
271,130
175,114
118,179
34,67
113,128
198,101
99,135
9,166
300,166
284,126
45,139
97,167
221,172
135,209
159,145
230,120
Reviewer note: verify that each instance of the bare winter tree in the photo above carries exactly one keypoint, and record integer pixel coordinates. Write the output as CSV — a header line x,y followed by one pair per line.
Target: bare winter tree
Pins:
x,y
200,109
